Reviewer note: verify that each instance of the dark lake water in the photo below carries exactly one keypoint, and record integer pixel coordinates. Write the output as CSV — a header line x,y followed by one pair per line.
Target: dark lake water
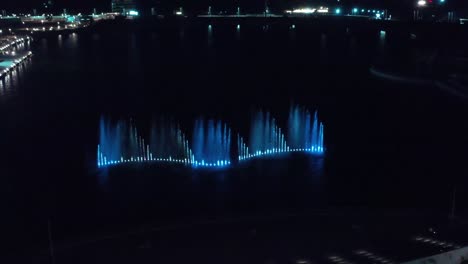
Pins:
x,y
389,145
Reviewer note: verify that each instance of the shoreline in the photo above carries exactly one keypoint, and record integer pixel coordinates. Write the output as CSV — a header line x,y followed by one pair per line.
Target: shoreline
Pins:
x,y
9,59
450,86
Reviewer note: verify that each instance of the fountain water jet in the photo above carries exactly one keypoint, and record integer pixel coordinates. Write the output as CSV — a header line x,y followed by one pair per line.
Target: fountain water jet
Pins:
x,y
210,145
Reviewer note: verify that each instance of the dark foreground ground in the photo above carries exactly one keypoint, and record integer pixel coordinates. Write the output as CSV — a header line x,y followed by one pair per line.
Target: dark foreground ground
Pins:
x,y
313,237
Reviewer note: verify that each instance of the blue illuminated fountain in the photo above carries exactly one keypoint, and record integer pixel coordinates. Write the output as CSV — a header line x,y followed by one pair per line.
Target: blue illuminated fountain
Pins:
x,y
211,143
305,134
121,142
265,138
168,143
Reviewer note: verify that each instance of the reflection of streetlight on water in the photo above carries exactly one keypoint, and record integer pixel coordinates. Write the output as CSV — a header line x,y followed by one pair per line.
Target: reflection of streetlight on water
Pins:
x,y
420,4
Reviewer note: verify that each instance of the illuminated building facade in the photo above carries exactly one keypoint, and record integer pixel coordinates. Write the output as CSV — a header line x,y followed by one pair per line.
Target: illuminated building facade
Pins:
x,y
123,6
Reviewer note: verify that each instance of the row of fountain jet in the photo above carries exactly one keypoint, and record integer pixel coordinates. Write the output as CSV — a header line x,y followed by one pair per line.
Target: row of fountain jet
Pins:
x,y
211,140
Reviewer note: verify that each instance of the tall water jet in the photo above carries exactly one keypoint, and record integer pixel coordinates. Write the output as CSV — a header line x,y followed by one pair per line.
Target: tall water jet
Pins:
x,y
119,142
211,143
266,136
305,132
242,149
168,143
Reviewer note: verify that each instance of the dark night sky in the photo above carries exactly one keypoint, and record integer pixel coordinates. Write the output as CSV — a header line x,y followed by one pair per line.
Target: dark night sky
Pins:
x,y
250,5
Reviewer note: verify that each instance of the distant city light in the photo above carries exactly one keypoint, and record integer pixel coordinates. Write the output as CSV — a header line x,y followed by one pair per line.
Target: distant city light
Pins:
x,y
355,10
322,10
304,11
133,13
337,11
422,3
307,10
179,13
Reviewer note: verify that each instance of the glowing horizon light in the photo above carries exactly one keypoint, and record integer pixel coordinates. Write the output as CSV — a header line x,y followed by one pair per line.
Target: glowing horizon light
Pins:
x,y
133,13
422,2
306,10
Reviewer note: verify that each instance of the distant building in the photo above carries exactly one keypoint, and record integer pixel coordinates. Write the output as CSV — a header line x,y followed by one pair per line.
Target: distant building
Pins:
x,y
123,6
